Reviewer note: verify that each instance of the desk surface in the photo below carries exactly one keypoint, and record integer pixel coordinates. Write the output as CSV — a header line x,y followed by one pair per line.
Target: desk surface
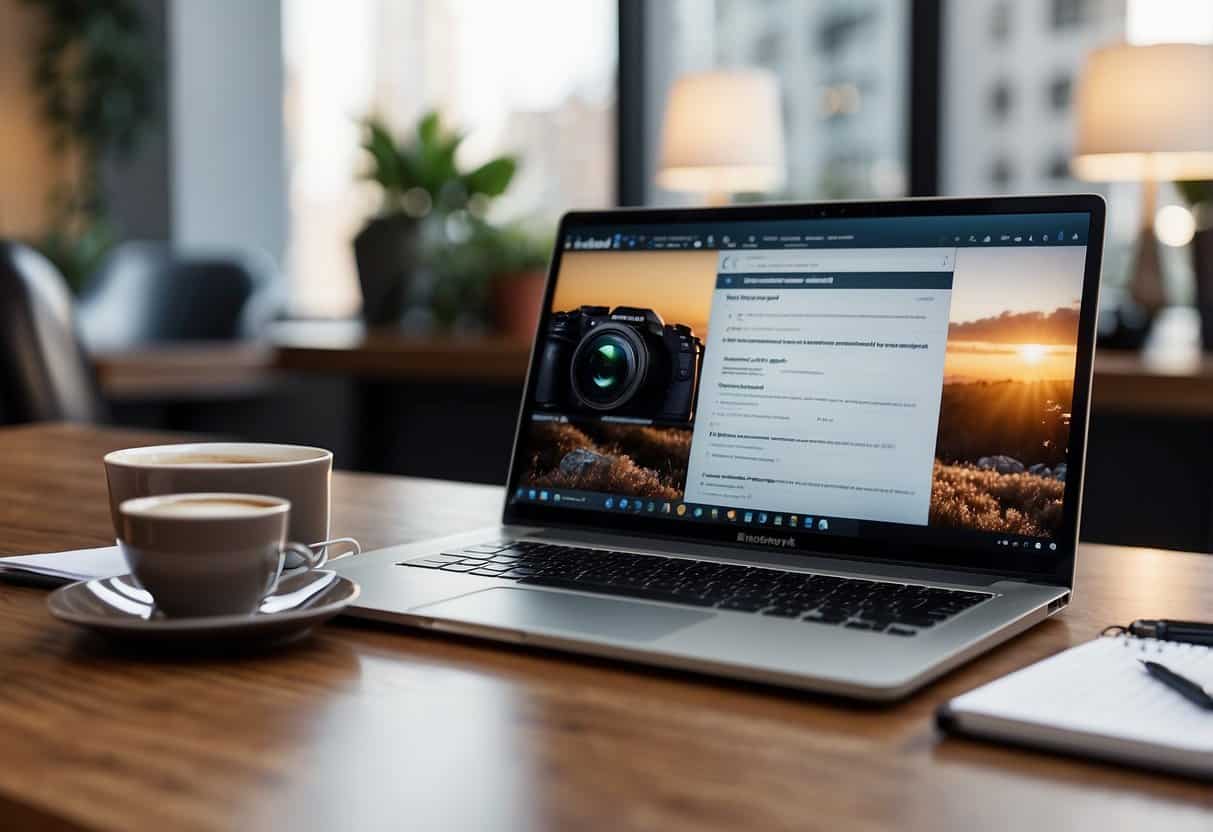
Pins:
x,y
364,727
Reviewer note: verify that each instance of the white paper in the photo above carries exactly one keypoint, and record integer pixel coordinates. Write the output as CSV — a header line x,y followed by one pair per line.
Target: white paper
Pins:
x,y
72,565
1100,689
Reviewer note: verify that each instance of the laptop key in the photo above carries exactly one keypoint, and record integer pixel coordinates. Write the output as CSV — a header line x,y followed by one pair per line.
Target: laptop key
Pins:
x,y
484,549
459,567
742,605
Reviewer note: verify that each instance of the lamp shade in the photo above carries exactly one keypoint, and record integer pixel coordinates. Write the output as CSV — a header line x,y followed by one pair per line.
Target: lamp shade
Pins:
x,y
1144,112
723,133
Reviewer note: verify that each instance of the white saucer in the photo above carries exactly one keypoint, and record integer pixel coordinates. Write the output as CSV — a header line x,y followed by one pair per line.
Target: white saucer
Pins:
x,y
119,607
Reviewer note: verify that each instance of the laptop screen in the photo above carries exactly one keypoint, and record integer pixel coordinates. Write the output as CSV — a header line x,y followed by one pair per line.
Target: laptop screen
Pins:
x,y
798,383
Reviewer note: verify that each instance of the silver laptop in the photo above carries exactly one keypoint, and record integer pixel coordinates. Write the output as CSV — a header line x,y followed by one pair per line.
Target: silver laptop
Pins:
x,y
836,447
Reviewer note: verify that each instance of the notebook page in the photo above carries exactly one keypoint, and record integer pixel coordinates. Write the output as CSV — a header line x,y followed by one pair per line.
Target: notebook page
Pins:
x,y
1101,688
74,565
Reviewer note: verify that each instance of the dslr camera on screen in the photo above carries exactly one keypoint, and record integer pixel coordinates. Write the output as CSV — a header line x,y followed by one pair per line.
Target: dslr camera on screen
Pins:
x,y
621,362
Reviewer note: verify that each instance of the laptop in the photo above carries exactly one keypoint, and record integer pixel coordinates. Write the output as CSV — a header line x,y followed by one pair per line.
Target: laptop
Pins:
x,y
835,447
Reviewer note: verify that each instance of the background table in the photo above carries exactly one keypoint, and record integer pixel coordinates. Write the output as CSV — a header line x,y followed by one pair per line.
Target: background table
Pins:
x,y
364,727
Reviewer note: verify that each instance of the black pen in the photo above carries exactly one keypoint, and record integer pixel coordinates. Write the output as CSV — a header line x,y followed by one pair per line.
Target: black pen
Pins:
x,y
1190,632
1184,687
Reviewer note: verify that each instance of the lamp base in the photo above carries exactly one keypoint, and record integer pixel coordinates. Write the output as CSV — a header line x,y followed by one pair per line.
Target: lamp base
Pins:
x,y
1146,282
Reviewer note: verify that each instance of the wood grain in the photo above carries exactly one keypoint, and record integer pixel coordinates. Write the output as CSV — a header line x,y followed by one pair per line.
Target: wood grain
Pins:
x,y
371,728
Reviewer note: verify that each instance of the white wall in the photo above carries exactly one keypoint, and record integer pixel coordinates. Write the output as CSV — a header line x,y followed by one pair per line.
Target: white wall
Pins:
x,y
226,125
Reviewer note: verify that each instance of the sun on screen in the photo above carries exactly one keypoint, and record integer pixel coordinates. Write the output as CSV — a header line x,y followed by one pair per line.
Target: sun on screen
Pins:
x,y
1033,353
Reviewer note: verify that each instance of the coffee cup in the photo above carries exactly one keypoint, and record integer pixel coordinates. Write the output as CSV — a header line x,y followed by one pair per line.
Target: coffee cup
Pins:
x,y
295,473
208,554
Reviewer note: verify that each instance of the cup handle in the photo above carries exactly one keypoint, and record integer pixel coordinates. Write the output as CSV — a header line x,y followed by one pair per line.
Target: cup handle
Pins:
x,y
353,546
311,557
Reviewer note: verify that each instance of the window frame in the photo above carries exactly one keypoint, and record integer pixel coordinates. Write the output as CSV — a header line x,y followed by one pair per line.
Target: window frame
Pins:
x,y
633,110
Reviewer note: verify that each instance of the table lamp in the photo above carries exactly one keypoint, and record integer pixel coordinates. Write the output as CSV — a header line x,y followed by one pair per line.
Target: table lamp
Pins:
x,y
1144,114
723,134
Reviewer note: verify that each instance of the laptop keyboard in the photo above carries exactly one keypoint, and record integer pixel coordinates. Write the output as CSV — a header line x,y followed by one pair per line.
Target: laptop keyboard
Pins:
x,y
855,603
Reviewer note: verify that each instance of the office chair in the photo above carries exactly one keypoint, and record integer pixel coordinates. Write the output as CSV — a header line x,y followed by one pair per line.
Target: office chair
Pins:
x,y
44,372
146,293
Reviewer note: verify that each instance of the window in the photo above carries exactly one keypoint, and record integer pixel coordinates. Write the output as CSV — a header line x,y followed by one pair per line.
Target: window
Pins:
x,y
1000,22
1060,91
1058,167
1069,13
1041,136
977,94
1001,175
487,67
1000,101
842,71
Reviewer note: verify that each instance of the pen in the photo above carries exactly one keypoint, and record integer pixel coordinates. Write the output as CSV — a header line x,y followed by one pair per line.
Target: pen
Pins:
x,y
1191,632
1184,687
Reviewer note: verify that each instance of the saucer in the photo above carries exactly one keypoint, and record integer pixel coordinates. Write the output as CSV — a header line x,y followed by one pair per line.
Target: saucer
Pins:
x,y
119,607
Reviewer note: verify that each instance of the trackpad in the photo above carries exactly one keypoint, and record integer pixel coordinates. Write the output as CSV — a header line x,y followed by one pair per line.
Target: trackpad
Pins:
x,y
529,609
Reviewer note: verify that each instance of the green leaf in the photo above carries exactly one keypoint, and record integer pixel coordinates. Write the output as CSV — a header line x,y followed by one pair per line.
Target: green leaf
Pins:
x,y
429,128
381,146
492,178
1195,192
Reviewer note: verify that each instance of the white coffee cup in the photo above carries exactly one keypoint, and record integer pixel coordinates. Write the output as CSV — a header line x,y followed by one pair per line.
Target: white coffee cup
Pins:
x,y
296,473
208,553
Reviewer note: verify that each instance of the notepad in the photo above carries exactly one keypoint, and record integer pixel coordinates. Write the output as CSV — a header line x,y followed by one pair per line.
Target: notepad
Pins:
x,y
54,568
1097,700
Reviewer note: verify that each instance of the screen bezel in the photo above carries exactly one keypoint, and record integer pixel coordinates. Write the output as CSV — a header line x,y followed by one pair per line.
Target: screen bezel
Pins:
x,y
1049,567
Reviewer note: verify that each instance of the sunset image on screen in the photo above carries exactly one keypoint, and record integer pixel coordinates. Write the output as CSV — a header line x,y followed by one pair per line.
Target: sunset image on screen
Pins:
x,y
1004,422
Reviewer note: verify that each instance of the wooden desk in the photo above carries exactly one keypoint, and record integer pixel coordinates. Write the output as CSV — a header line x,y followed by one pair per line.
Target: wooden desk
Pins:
x,y
370,728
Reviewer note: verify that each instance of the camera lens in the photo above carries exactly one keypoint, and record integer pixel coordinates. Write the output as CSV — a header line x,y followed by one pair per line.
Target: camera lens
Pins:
x,y
608,365
607,369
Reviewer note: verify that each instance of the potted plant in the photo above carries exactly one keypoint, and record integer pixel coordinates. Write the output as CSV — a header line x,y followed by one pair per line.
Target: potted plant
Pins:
x,y
93,71
495,276
518,275
421,182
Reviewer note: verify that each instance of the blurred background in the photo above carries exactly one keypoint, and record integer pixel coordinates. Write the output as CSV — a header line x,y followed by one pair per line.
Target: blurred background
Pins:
x,y
328,223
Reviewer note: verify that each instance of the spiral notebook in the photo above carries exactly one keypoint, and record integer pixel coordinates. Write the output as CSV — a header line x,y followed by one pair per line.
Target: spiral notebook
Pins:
x,y
1096,700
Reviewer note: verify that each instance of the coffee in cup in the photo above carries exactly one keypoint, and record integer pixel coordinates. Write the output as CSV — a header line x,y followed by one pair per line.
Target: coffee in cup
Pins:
x,y
208,553
295,473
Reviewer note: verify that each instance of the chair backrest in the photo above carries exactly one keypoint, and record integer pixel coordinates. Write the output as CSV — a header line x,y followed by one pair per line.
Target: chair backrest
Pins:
x,y
44,372
146,292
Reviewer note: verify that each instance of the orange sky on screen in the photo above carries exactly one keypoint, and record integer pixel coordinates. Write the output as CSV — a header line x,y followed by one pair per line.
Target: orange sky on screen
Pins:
x,y
678,284
976,361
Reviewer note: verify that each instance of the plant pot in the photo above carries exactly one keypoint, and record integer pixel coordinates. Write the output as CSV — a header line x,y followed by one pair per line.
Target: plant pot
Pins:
x,y
1202,266
388,252
517,302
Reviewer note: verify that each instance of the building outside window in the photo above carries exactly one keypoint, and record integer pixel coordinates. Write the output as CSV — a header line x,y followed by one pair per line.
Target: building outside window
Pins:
x,y
842,66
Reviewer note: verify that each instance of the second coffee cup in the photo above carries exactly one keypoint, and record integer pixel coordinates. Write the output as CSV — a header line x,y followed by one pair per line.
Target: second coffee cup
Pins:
x,y
296,473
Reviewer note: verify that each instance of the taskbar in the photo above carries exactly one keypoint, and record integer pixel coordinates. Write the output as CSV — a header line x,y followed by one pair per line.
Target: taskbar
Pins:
x,y
678,509
774,521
